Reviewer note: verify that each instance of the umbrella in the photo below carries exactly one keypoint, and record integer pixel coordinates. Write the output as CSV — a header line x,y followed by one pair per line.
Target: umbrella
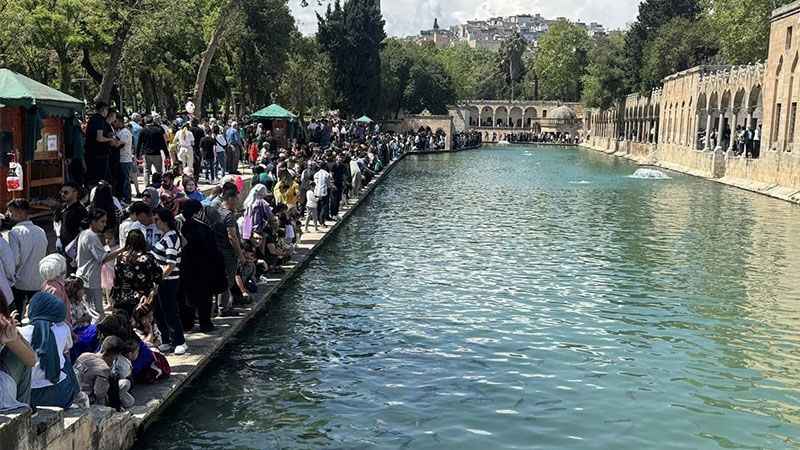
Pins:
x,y
19,90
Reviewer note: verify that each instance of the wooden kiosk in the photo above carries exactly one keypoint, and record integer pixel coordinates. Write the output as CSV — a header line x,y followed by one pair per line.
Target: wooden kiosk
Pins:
x,y
35,123
277,119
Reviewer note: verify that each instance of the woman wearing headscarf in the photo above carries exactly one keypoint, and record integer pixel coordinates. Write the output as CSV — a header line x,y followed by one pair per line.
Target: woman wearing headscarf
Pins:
x,y
53,381
53,268
257,211
202,268
151,197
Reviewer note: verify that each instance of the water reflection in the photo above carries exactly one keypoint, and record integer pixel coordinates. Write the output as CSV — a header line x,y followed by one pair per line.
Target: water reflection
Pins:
x,y
523,299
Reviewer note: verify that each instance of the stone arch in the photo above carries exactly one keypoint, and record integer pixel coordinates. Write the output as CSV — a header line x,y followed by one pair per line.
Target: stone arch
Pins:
x,y
474,115
501,116
529,116
515,116
487,116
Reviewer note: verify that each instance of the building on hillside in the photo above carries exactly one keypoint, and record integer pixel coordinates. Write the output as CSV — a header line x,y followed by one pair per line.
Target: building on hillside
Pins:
x,y
490,33
436,36
734,122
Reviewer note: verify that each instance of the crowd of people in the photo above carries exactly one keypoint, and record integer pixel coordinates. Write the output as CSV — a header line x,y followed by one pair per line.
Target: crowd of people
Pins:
x,y
133,272
525,137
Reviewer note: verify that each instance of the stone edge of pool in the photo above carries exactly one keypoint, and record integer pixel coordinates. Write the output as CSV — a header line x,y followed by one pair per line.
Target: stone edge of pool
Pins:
x,y
775,191
102,428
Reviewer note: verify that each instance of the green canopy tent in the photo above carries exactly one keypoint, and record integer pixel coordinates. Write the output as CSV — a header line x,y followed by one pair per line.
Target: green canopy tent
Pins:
x,y
364,119
29,110
279,120
272,112
18,90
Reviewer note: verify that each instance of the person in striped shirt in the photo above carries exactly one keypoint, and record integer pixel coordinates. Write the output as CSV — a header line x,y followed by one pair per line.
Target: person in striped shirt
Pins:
x,y
167,252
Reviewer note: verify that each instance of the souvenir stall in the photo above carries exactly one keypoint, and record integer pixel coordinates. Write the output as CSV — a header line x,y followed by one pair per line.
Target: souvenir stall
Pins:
x,y
37,128
279,121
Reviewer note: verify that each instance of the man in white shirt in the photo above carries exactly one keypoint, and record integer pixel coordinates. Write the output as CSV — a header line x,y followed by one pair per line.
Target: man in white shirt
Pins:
x,y
186,146
126,165
7,270
28,244
323,180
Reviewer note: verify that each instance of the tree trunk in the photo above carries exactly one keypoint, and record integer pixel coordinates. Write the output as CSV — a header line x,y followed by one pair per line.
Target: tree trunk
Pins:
x,y
115,56
66,76
208,55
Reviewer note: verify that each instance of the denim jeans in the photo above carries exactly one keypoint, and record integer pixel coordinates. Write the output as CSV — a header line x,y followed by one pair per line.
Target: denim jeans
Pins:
x,y
219,163
208,168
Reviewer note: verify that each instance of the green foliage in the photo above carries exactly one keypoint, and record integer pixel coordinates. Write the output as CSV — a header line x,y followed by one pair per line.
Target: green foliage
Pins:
x,y
414,79
352,36
653,14
305,83
509,58
604,82
742,27
561,61
678,45
467,67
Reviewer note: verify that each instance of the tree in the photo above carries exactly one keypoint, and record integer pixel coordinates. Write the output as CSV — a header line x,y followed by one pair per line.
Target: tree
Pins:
x,y
305,83
221,21
467,68
678,45
652,15
742,27
352,36
561,61
509,61
604,82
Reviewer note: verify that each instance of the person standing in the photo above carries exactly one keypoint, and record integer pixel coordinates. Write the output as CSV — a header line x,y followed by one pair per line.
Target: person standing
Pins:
x,y
220,146
135,126
339,173
186,147
99,141
226,231
322,179
126,164
168,256
92,254
153,144
198,134
201,266
70,217
234,148
28,244
7,270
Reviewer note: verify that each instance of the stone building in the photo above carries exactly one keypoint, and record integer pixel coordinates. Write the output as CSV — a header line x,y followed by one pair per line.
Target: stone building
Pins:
x,y
519,115
733,122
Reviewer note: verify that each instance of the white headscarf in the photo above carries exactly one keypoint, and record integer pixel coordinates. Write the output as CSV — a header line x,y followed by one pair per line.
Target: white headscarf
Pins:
x,y
52,266
258,192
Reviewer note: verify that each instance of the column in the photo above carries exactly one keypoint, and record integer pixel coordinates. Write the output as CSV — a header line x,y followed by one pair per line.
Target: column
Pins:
x,y
720,129
732,140
708,131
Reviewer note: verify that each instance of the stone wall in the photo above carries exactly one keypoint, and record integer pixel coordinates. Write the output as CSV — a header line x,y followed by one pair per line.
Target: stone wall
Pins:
x,y
435,122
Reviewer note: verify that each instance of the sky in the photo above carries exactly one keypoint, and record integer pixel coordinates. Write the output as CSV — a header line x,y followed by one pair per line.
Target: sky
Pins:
x,y
408,17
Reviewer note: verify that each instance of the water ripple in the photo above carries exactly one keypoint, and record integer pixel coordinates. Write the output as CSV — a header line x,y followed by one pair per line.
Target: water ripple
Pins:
x,y
504,299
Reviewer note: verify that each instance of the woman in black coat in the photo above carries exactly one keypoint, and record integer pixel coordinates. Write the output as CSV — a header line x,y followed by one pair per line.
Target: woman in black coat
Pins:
x,y
202,274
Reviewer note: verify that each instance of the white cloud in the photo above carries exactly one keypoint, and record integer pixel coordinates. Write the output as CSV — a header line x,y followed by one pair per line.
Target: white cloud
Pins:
x,y
408,17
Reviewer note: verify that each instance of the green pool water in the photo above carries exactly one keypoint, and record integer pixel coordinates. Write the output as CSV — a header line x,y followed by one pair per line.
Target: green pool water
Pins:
x,y
522,298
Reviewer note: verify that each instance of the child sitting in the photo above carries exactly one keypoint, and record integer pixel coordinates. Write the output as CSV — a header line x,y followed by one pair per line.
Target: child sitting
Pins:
x,y
246,274
103,376
83,314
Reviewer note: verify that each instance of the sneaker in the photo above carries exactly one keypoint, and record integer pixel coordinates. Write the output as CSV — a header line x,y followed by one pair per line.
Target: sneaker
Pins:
x,y
165,348
181,349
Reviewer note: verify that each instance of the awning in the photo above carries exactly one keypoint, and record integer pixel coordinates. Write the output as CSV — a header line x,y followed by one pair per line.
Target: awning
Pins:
x,y
273,111
18,90
364,119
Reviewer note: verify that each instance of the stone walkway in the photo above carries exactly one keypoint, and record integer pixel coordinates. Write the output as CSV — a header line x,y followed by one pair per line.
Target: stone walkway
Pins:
x,y
101,427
